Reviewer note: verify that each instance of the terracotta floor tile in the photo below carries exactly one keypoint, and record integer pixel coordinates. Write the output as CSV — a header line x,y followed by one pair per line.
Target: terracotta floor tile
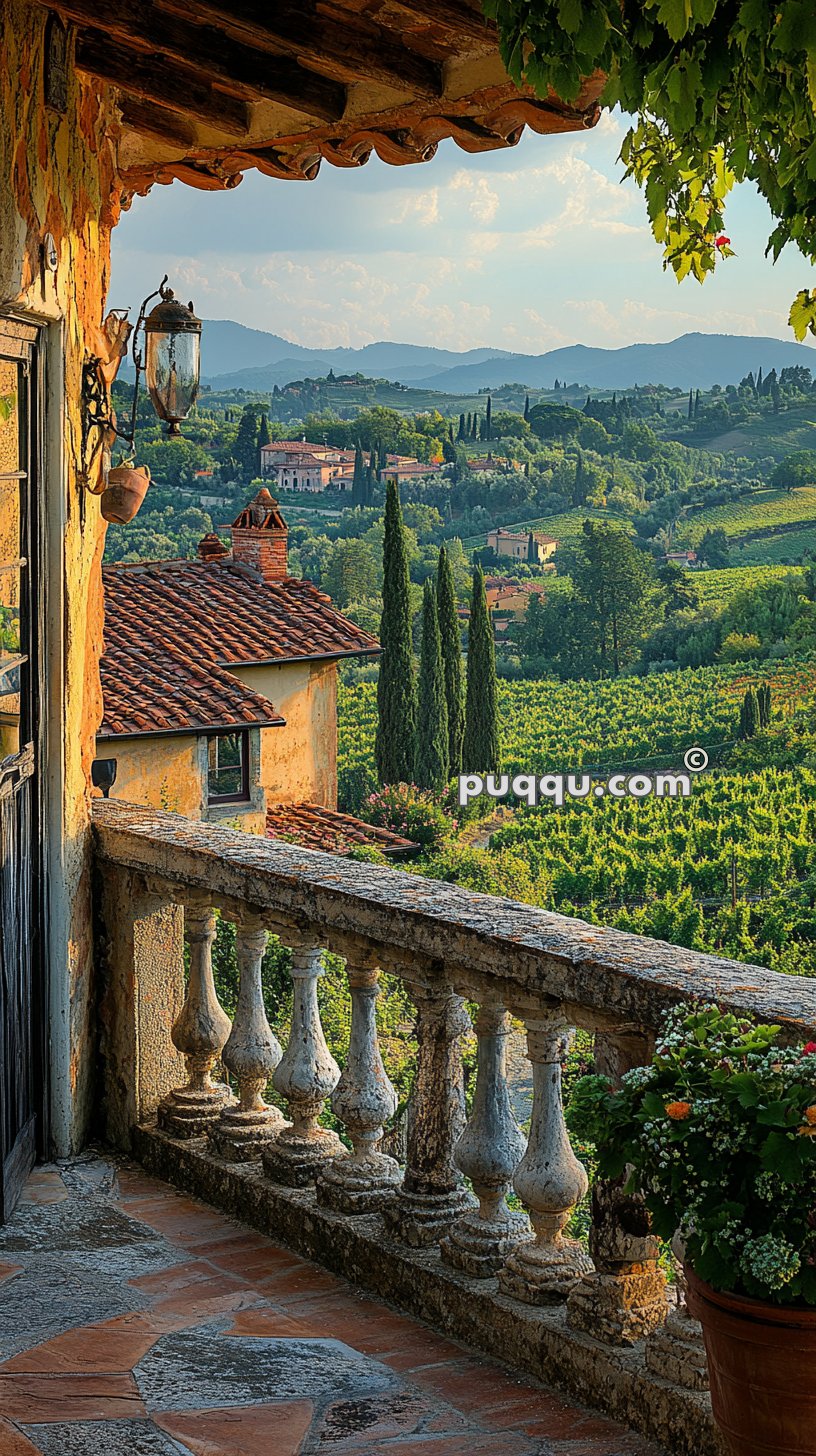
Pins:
x,y
7,1271
260,1430
495,1444
349,1424
270,1324
232,1240
13,1442
304,1280
184,1276
44,1186
37,1399
113,1347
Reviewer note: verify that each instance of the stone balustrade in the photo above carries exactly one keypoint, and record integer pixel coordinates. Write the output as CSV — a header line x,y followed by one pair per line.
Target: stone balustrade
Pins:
x,y
503,1275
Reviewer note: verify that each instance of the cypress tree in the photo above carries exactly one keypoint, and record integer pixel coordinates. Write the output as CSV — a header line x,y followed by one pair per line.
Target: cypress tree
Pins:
x,y
369,480
527,407
697,405
382,460
461,432
691,404
358,479
489,419
480,745
396,691
264,437
468,426
759,382
474,429
450,431
431,755
451,659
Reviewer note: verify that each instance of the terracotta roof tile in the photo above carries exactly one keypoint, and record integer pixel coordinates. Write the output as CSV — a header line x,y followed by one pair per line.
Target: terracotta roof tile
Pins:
x,y
315,827
172,627
149,687
225,612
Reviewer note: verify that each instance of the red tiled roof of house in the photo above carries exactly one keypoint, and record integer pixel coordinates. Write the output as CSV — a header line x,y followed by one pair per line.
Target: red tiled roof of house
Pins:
x,y
151,688
171,627
315,827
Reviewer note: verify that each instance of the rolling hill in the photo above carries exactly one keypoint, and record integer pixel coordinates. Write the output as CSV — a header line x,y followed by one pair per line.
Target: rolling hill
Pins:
x,y
236,357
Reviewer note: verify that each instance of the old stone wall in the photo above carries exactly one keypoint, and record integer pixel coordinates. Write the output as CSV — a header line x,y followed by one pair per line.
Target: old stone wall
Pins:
x,y
57,177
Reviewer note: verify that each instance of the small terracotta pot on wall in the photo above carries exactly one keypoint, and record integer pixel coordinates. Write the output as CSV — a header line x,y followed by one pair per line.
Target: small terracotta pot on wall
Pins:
x,y
123,495
761,1360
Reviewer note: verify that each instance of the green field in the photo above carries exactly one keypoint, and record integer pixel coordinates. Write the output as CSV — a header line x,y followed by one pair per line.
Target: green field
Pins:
x,y
715,589
760,512
788,546
565,527
768,436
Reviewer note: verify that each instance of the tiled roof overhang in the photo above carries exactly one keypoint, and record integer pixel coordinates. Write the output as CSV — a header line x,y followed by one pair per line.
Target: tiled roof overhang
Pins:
x,y
211,88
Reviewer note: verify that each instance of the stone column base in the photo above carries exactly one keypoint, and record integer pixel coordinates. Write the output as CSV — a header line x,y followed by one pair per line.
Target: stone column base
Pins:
x,y
420,1219
619,1309
239,1137
191,1114
677,1352
295,1160
544,1273
352,1185
480,1248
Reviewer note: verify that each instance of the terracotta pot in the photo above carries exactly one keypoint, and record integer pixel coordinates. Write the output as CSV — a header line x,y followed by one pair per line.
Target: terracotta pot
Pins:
x,y
124,493
761,1360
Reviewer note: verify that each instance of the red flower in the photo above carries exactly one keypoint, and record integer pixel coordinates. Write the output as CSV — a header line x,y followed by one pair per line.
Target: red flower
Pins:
x,y
722,241
808,1049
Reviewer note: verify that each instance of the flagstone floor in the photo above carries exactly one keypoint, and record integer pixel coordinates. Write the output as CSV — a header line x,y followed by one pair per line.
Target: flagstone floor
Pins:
x,y
136,1322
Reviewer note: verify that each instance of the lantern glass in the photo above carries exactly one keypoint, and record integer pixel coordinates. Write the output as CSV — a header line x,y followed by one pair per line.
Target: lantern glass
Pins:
x,y
172,360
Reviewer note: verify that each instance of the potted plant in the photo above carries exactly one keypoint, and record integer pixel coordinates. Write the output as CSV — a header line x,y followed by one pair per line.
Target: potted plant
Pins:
x,y
717,1134
125,489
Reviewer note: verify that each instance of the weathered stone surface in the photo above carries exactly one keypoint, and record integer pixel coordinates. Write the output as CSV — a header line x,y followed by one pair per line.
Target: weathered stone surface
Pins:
x,y
306,1074
488,1153
199,1033
363,1100
676,1351
200,1367
603,977
251,1054
101,1438
432,1195
535,1341
549,1180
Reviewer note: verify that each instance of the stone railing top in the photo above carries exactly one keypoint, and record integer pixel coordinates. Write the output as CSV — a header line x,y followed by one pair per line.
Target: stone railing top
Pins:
x,y
607,978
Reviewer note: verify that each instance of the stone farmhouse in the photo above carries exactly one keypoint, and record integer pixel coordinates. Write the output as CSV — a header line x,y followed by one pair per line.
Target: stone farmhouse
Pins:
x,y
530,547
219,681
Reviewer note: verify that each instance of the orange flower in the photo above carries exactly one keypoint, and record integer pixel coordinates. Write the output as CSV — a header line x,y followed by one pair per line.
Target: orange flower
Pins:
x,y
810,1115
679,1111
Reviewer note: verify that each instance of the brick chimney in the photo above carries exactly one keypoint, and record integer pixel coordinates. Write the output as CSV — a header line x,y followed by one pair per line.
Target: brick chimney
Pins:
x,y
211,548
259,537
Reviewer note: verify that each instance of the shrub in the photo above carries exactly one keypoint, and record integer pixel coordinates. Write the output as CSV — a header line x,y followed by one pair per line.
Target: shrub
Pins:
x,y
416,814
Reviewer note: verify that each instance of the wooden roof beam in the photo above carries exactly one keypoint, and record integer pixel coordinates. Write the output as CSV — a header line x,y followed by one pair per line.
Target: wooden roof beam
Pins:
x,y
239,70
457,15
152,78
360,48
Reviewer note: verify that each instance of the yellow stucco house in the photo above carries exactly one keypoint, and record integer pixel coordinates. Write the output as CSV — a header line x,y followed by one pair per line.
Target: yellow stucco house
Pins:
x,y
219,679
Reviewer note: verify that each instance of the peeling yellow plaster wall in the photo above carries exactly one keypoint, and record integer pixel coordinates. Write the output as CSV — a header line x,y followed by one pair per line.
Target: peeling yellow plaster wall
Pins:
x,y
162,772
299,761
57,176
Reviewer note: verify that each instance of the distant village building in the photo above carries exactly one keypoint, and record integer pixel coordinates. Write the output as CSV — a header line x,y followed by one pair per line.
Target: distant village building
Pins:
x,y
219,680
302,465
530,547
681,558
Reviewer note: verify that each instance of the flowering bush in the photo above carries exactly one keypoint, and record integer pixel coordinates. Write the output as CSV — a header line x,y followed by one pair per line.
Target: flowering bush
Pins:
x,y
718,1132
414,813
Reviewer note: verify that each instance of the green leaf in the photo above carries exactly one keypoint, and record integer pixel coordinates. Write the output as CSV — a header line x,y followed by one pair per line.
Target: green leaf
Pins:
x,y
802,316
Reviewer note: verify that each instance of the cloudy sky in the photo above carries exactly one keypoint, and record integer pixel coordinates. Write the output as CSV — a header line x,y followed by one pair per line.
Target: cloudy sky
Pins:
x,y
525,249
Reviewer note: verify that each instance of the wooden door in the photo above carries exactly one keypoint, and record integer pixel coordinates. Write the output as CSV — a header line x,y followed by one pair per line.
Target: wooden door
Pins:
x,y
22,998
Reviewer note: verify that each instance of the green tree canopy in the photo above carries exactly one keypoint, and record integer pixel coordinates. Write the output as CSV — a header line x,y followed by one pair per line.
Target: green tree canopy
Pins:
x,y
555,421
796,469
721,92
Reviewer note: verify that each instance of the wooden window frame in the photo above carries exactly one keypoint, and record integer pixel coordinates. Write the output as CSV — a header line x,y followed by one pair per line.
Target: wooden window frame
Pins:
x,y
244,796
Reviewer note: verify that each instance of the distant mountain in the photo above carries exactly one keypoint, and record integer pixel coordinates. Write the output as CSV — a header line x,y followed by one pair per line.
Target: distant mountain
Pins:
x,y
236,357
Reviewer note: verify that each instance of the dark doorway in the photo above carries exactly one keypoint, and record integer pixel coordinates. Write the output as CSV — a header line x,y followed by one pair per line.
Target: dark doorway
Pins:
x,y
22,990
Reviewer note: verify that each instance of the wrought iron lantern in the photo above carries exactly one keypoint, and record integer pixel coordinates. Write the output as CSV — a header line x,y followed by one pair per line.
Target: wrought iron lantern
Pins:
x,y
172,358
170,363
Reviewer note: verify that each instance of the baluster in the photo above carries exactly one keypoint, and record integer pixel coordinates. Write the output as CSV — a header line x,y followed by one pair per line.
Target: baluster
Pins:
x,y
624,1298
432,1195
251,1054
488,1153
676,1351
305,1075
199,1033
549,1180
363,1100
